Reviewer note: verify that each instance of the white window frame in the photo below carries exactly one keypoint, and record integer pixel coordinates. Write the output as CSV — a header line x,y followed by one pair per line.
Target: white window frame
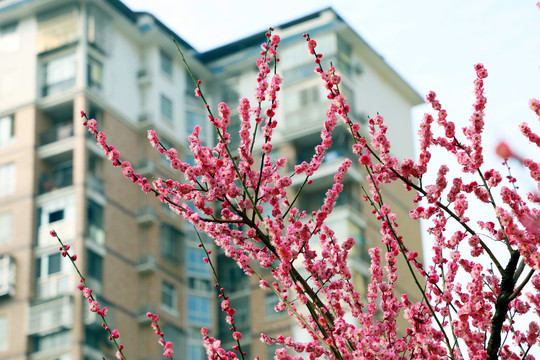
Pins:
x,y
7,130
7,275
7,179
63,70
169,289
166,107
166,63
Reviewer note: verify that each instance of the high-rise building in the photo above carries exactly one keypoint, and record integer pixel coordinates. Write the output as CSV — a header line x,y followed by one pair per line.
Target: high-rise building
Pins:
x,y
58,57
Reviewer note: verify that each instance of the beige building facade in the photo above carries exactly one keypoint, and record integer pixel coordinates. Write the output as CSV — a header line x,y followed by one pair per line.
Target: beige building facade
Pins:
x,y
58,57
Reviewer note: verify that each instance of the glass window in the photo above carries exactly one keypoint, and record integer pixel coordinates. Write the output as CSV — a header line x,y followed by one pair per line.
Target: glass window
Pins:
x,y
199,284
94,265
7,275
196,351
195,263
56,216
7,179
166,63
52,341
193,119
7,130
168,296
309,95
95,228
3,332
95,74
344,55
171,241
270,302
97,27
6,224
199,310
166,107
8,29
49,264
190,85
59,74
57,28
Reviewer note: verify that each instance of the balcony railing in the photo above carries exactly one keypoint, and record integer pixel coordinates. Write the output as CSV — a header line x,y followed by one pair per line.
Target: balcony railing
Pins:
x,y
60,178
53,285
56,133
50,315
58,87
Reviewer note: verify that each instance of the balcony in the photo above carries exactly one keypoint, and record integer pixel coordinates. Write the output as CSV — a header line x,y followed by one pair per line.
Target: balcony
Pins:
x,y
146,216
53,285
55,127
146,265
56,133
56,179
50,316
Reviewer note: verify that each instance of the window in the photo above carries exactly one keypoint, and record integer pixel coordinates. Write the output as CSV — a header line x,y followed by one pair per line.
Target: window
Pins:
x,y
95,227
52,341
166,108
197,352
195,263
168,296
49,265
97,28
7,275
199,310
344,55
299,73
56,216
270,302
95,74
166,63
231,276
94,265
309,95
59,74
193,119
51,279
3,332
199,284
171,241
7,179
7,130
57,28
9,41
190,85
6,224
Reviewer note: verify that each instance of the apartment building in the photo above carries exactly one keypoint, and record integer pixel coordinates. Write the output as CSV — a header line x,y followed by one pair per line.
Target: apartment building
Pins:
x,y
58,57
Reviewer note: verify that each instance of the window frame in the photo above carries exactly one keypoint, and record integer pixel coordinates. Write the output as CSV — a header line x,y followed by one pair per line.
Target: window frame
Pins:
x,y
7,135
166,108
8,179
169,290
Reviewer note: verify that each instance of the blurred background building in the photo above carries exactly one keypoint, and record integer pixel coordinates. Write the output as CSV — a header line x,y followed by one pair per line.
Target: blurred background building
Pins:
x,y
58,57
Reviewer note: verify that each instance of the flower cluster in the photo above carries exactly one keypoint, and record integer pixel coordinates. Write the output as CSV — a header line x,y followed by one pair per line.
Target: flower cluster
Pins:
x,y
258,226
